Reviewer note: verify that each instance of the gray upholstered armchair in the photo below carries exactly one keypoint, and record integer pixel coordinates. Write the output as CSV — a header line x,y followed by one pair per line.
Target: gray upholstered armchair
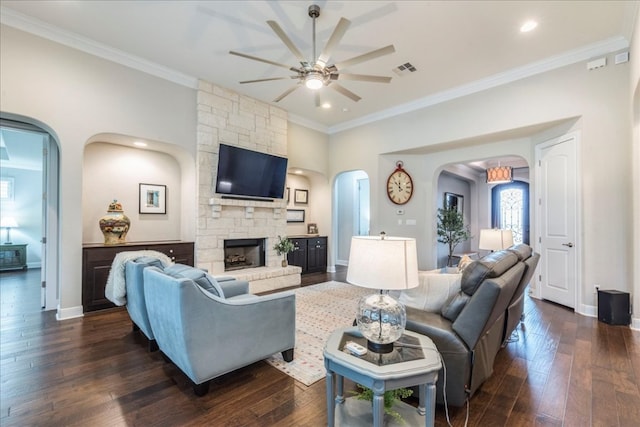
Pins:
x,y
136,305
206,334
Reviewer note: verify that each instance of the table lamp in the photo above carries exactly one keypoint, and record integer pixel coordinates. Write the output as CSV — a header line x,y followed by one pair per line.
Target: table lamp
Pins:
x,y
495,239
8,223
384,263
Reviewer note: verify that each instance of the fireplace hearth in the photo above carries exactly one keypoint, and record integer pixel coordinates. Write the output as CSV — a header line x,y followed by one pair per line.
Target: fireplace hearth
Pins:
x,y
244,253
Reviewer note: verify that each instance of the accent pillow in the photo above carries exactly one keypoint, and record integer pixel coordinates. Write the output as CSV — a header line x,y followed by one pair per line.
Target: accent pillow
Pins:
x,y
452,309
205,281
433,291
464,262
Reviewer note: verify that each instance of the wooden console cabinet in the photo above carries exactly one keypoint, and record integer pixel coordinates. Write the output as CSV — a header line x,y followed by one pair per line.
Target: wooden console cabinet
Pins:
x,y
97,260
309,253
13,256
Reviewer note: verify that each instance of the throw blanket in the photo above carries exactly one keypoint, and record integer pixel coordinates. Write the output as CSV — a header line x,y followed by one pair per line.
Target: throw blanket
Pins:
x,y
116,289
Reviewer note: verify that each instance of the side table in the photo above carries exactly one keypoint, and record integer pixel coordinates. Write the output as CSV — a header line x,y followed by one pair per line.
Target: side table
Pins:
x,y
417,363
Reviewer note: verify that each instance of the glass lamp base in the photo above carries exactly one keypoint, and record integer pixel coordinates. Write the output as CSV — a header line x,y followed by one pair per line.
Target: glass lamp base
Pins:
x,y
381,320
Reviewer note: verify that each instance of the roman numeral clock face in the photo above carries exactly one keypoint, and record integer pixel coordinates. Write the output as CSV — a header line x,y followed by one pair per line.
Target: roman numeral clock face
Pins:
x,y
399,186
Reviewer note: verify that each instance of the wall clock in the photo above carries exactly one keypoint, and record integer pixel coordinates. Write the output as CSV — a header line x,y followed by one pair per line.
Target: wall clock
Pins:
x,y
399,185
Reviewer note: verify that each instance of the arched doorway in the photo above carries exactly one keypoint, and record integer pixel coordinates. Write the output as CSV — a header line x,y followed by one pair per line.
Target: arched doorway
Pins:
x,y
30,154
352,211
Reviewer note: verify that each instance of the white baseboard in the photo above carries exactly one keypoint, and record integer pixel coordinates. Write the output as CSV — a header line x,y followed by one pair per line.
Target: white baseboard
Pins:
x,y
342,262
69,313
635,323
588,310
331,269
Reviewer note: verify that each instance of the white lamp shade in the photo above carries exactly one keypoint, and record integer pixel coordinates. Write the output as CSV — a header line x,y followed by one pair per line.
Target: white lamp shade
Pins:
x,y
495,239
389,263
8,222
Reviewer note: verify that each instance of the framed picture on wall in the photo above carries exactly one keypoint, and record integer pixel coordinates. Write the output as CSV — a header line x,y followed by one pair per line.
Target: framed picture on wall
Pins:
x,y
301,196
153,199
287,191
295,215
454,200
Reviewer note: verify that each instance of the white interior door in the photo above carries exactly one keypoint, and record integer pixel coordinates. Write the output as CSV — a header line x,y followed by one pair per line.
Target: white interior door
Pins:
x,y
557,208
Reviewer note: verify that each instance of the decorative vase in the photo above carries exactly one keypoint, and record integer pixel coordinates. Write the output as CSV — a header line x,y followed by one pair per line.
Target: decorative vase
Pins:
x,y
114,225
284,262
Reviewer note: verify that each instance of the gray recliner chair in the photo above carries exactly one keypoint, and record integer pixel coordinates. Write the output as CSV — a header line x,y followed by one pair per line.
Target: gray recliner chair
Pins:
x,y
515,311
205,334
468,331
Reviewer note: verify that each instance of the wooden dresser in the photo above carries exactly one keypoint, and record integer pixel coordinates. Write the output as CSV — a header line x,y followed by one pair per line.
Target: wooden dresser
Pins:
x,y
96,264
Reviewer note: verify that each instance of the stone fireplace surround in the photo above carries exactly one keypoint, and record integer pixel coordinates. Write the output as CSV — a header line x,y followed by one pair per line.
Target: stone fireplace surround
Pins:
x,y
230,118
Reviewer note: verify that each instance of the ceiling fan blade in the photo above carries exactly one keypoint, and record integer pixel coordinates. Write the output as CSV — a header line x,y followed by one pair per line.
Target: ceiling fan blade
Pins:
x,y
363,78
286,40
286,92
333,41
366,57
268,79
345,92
255,58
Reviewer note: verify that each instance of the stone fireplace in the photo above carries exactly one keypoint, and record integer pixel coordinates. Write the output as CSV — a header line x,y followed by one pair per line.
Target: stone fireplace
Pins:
x,y
243,253
230,118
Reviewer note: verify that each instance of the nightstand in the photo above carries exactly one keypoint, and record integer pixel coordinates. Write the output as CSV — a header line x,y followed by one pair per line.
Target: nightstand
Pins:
x,y
13,257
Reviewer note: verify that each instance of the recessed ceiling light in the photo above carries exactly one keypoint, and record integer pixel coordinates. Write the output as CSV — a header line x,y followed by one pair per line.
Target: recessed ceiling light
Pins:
x,y
326,105
528,26
299,172
140,144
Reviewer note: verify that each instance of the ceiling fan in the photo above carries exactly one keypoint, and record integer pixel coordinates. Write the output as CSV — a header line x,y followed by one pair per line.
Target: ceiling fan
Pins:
x,y
318,73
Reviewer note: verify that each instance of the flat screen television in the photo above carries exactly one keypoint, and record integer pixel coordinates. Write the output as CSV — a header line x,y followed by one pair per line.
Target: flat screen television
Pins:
x,y
250,174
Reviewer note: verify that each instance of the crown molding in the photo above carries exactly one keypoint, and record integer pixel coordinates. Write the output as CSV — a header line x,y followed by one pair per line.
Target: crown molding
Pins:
x,y
42,29
302,121
554,62
34,26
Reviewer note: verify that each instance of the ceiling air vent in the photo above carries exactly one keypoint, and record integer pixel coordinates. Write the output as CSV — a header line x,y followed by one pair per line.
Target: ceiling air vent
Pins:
x,y
404,69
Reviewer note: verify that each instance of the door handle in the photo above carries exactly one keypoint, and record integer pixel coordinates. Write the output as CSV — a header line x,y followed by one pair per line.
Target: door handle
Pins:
x,y
570,245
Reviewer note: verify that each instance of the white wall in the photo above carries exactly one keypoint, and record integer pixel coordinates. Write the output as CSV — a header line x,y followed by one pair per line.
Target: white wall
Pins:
x,y
634,107
598,99
116,172
76,96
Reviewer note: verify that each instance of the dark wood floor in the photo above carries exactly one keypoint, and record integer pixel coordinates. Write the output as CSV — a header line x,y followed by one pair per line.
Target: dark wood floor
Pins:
x,y
566,370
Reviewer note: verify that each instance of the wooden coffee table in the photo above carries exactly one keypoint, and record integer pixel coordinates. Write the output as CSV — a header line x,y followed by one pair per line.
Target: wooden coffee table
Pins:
x,y
414,362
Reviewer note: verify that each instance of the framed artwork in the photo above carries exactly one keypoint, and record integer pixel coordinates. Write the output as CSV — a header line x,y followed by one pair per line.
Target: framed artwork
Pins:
x,y
295,215
454,200
312,228
287,192
301,196
153,199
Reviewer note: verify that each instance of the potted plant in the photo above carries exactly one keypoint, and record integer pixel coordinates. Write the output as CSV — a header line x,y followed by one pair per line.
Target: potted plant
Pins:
x,y
451,229
390,398
283,247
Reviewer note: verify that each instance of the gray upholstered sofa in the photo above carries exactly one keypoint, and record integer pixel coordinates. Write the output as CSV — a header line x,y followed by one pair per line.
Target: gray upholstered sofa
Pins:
x,y
207,331
469,329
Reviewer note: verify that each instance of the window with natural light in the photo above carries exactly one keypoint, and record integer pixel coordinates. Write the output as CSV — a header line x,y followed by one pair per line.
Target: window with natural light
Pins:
x,y
511,212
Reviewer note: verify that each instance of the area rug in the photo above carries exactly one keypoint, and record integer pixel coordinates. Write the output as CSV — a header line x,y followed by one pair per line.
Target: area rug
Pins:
x,y
320,309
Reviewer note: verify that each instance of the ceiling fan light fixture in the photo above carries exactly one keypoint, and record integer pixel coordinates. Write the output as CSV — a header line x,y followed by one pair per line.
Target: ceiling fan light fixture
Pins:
x,y
314,81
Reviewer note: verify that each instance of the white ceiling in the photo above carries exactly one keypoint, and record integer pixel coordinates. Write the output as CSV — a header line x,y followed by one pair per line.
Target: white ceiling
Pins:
x,y
458,47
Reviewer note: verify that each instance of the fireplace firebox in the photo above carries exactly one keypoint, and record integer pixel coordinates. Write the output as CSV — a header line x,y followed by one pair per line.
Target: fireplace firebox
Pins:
x,y
244,253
